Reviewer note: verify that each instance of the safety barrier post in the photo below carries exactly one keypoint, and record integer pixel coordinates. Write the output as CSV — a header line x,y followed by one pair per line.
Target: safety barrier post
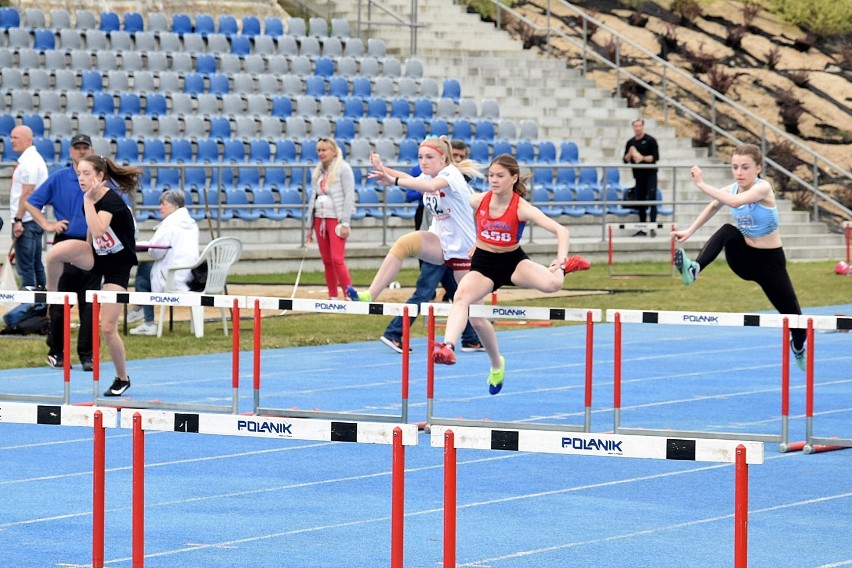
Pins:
x,y
138,505
450,499
741,509
397,499
98,491
813,444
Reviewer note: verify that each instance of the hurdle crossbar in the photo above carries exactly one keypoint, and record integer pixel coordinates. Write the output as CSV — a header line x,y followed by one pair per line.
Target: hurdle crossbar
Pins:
x,y
711,319
611,227
86,416
740,453
589,316
66,299
259,303
397,435
234,303
818,444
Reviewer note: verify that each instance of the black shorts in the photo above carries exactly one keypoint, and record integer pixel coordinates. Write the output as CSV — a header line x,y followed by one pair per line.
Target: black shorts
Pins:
x,y
117,273
497,267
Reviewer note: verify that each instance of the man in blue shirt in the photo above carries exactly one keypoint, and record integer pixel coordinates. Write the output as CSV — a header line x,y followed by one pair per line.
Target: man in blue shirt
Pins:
x,y
62,191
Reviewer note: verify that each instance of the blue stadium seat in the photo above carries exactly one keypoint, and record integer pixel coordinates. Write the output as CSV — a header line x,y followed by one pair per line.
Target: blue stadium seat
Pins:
x,y
220,127
416,129
568,152
663,209
362,87
207,151
150,198
588,178
273,26
180,151
133,22
565,196
46,148
275,178
397,206
259,150
114,126
612,178
451,90
91,81
220,84
44,39
422,109
344,129
408,150
502,147
153,151
585,193
293,199
546,152
181,24
110,22
315,86
195,179
400,108
126,151
324,67
103,103
613,203
541,199
9,155
251,26
285,151
525,152
377,108
129,103
282,106
228,25
213,198
439,127
370,203
308,150
167,178
193,83
485,130
480,151
543,177
338,87
462,130
204,24
234,151
265,196
205,63
155,104
35,122
567,178
7,123
241,45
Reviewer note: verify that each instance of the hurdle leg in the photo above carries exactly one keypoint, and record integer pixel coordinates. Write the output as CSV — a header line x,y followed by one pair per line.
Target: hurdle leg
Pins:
x,y
398,500
98,474
138,492
741,510
449,500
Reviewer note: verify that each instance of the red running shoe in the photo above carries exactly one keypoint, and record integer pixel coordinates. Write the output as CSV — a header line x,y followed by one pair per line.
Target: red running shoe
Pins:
x,y
575,264
444,354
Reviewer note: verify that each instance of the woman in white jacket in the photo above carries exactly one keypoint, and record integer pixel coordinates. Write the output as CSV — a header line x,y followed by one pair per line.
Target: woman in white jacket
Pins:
x,y
175,243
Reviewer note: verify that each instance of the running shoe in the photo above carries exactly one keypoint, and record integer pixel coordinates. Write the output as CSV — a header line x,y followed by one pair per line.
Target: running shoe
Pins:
x,y
495,378
444,354
688,269
472,347
801,360
394,344
134,315
357,296
118,387
87,365
147,328
575,264
55,361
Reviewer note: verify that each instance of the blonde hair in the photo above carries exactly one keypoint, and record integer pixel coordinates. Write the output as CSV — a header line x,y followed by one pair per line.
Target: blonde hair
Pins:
x,y
444,147
333,166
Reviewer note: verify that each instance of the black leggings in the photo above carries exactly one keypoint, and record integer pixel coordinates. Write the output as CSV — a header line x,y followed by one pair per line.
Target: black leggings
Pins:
x,y
767,267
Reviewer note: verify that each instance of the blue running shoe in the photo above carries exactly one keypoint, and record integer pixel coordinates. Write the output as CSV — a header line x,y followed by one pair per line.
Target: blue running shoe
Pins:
x,y
495,378
801,359
356,296
688,269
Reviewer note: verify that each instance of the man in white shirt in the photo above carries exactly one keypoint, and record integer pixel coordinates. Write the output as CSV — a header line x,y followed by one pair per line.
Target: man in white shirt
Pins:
x,y
30,172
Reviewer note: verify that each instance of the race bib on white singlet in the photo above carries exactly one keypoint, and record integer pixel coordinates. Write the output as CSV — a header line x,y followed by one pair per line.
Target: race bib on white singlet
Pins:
x,y
107,243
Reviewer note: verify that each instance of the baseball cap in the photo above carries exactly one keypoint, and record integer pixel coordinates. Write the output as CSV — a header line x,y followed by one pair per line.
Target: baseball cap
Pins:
x,y
81,139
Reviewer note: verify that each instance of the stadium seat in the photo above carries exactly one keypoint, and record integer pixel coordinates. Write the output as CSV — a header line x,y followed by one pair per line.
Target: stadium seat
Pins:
x,y
546,152
181,24
502,147
241,45
451,90
370,203
180,151
541,199
110,22
588,178
663,209
207,151
568,152
115,126
264,196
251,26
408,151
275,179
613,203
133,22
525,152
564,196
292,198
462,130
126,151
397,206
153,151
273,26
592,206
285,151
485,130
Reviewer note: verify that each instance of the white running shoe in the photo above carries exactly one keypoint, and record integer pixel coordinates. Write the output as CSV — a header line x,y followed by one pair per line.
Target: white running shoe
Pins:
x,y
147,328
135,315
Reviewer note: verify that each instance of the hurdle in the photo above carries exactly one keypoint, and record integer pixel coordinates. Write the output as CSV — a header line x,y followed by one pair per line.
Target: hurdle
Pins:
x,y
332,307
711,319
589,316
742,454
818,444
396,435
234,303
66,415
67,300
637,227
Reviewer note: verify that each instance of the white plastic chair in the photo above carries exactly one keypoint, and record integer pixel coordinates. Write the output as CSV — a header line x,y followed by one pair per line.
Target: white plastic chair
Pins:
x,y
219,255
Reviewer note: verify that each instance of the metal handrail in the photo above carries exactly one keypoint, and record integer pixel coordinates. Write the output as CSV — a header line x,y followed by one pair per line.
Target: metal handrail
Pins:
x,y
669,100
411,23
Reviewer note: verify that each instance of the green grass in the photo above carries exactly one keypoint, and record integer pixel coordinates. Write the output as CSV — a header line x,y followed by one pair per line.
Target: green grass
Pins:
x,y
718,289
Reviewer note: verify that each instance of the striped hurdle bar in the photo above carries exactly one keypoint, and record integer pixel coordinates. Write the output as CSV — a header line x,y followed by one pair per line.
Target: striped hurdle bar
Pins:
x,y
818,444
332,307
660,227
397,435
742,454
86,416
234,303
67,300
712,319
589,316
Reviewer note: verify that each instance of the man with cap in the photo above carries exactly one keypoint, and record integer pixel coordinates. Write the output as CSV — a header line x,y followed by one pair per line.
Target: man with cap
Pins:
x,y
62,191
